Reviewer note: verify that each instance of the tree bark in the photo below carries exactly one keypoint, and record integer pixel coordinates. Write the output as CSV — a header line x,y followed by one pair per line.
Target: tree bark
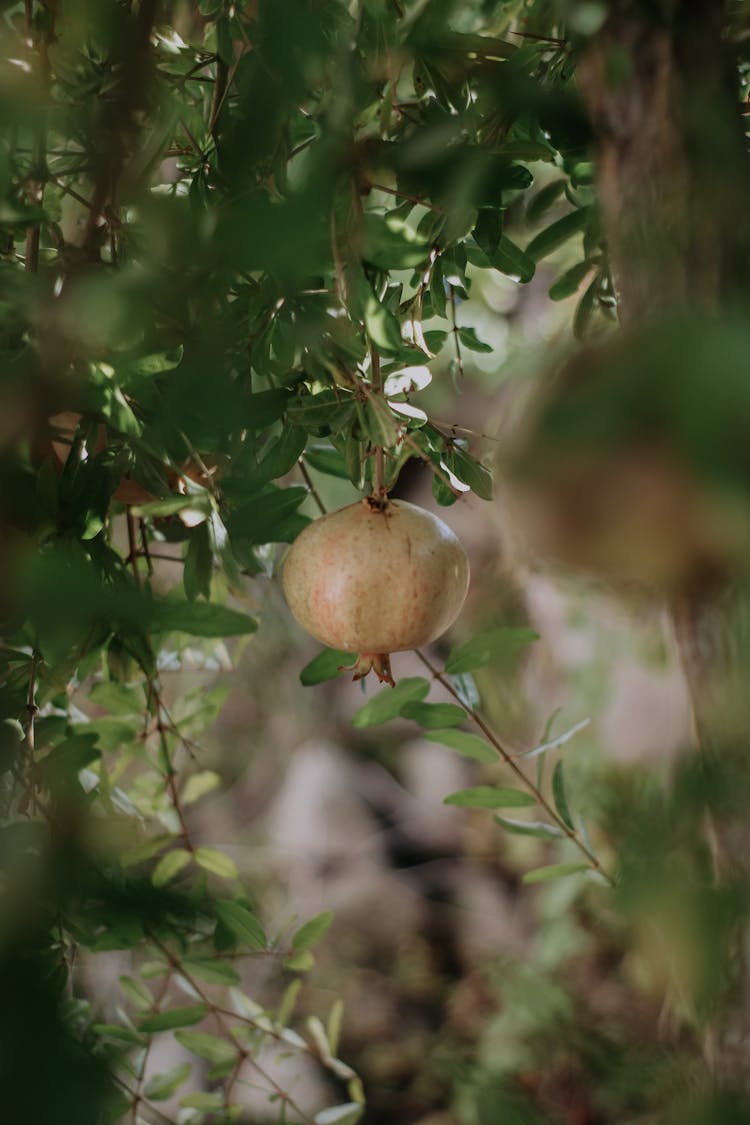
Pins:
x,y
660,87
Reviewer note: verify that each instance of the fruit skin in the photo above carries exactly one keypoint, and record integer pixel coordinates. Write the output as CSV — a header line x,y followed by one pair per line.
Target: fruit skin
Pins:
x,y
374,579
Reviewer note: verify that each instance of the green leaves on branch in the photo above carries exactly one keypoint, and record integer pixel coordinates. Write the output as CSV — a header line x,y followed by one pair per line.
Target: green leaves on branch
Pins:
x,y
490,797
485,648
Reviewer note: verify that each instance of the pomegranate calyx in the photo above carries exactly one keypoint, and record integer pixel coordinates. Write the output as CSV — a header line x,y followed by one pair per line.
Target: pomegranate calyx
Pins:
x,y
366,662
377,501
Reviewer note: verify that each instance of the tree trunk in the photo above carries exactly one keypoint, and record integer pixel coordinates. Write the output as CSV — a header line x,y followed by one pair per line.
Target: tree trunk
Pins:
x,y
674,184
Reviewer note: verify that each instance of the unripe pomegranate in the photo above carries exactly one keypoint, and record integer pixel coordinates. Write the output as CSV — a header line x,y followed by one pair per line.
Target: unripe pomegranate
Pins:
x,y
375,578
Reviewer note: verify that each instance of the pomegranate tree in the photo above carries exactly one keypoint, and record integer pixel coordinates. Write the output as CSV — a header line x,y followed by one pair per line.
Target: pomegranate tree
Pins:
x,y
376,577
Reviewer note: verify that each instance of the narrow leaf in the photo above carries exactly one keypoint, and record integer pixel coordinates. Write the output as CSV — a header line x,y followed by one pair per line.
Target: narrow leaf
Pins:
x,y
554,743
208,1047
162,1086
558,792
169,866
312,931
434,716
557,233
486,647
470,745
211,971
554,871
325,666
177,1017
528,827
201,619
387,703
216,862
489,797
242,923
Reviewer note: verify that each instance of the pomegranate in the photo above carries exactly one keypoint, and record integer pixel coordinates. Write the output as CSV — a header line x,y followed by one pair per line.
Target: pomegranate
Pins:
x,y
374,578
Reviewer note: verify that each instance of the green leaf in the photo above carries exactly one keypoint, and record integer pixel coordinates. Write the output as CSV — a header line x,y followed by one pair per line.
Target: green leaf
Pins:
x,y
327,410
379,423
120,1034
216,862
473,473
486,647
529,827
567,284
326,459
201,619
300,962
211,970
177,1017
158,509
284,453
434,716
488,797
325,666
266,407
558,792
312,931
162,1086
202,1100
540,204
209,1047
199,560
470,340
198,785
469,745
391,244
261,519
512,261
387,703
242,923
137,993
555,743
382,326
554,871
158,362
557,233
170,865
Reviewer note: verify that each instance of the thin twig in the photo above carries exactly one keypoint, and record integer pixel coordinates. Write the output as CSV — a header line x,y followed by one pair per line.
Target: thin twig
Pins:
x,y
31,710
416,199
378,475
311,486
509,761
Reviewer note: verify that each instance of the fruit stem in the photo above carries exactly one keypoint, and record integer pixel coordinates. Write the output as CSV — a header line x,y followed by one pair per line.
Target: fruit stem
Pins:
x,y
378,475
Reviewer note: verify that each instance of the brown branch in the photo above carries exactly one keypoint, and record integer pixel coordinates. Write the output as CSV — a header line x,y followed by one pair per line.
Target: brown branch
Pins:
x,y
378,476
454,331
509,761
311,486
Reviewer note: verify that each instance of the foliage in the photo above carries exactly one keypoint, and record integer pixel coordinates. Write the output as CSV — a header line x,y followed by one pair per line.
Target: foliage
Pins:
x,y
236,241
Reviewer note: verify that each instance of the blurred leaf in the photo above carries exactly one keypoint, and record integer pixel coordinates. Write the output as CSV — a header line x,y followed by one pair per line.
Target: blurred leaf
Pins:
x,y
208,1047
382,326
513,261
196,573
556,743
434,716
204,1101
558,792
326,459
540,203
162,1086
176,1017
585,309
201,619
211,970
216,862
198,785
170,865
529,827
488,797
263,517
284,453
387,703
241,922
470,340
391,244
381,426
554,871
325,666
486,647
136,992
312,931
346,1114
569,282
557,233
469,745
